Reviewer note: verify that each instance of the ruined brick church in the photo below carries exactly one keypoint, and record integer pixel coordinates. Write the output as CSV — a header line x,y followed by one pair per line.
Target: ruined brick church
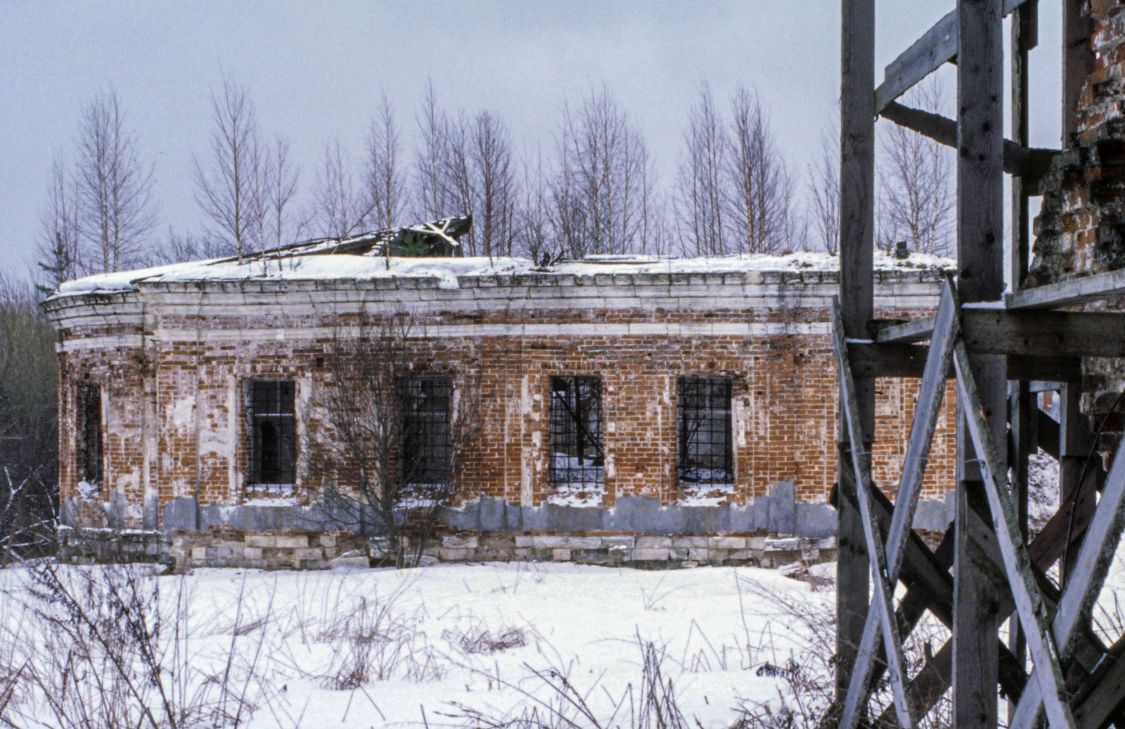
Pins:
x,y
624,409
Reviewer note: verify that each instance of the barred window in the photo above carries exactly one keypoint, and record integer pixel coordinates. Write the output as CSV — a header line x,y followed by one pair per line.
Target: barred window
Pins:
x,y
705,431
90,434
427,448
577,458
273,451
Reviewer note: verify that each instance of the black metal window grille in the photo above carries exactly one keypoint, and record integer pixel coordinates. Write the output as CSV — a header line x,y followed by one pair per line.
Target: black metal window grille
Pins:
x,y
705,431
577,458
90,434
427,446
273,428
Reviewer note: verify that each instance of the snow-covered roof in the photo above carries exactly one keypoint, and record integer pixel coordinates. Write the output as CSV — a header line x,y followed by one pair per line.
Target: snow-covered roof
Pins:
x,y
363,257
448,270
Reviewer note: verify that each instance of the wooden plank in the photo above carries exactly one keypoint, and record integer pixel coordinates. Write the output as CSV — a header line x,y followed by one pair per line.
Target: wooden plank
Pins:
x,y
857,251
1028,163
926,413
1064,334
937,45
1107,698
911,331
1075,471
908,360
1077,63
998,331
1071,291
1087,577
980,277
1048,432
881,574
1024,37
1025,592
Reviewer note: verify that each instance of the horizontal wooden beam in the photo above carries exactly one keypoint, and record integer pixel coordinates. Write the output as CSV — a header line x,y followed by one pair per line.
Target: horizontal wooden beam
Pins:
x,y
904,332
936,46
1059,333
907,360
1072,291
1024,332
1029,163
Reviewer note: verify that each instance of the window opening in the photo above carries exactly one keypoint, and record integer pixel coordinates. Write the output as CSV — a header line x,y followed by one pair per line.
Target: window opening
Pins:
x,y
90,434
273,434
427,448
577,458
705,432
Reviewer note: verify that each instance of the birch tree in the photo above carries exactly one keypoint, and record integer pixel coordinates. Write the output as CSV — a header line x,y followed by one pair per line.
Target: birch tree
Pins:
x,y
114,188
915,174
231,185
603,190
385,176
700,194
759,209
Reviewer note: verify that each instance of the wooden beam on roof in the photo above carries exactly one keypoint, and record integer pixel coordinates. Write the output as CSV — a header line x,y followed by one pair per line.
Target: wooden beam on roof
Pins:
x,y
1071,291
1028,163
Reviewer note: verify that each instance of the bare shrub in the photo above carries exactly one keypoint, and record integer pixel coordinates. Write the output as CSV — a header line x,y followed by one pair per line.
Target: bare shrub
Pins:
x,y
370,640
99,651
554,698
479,640
805,697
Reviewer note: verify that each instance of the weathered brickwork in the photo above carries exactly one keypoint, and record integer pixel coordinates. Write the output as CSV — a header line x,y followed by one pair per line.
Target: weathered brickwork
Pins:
x,y
173,361
1080,229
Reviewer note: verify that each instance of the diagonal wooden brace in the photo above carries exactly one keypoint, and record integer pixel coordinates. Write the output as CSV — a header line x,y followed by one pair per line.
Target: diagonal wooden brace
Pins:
x,y
926,413
1017,564
884,592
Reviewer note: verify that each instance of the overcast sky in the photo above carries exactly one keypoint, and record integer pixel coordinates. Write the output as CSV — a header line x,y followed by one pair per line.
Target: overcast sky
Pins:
x,y
317,70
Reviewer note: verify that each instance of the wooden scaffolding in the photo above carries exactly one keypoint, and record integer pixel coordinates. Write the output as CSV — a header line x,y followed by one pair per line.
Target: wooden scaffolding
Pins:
x,y
1000,350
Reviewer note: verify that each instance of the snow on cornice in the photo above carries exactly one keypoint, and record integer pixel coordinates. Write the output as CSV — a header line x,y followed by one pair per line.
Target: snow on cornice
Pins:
x,y
447,271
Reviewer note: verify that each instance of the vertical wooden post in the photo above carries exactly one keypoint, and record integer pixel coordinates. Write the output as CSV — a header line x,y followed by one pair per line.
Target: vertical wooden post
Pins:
x,y
1024,37
1077,63
980,258
1075,471
857,243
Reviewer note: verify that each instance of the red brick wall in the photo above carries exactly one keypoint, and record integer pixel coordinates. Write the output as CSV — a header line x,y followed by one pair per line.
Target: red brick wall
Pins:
x,y
191,372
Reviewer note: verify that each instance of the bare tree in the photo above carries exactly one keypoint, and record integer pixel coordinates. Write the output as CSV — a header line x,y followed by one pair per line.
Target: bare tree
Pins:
x,y
371,484
385,175
700,195
759,210
477,177
341,207
231,189
430,193
824,193
58,250
916,196
534,232
603,189
279,221
114,188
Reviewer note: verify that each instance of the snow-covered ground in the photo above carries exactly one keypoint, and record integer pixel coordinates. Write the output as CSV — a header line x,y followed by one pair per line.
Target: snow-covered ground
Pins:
x,y
438,646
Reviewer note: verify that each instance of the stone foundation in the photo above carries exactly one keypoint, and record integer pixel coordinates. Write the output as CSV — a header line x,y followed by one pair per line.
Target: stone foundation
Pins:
x,y
92,545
